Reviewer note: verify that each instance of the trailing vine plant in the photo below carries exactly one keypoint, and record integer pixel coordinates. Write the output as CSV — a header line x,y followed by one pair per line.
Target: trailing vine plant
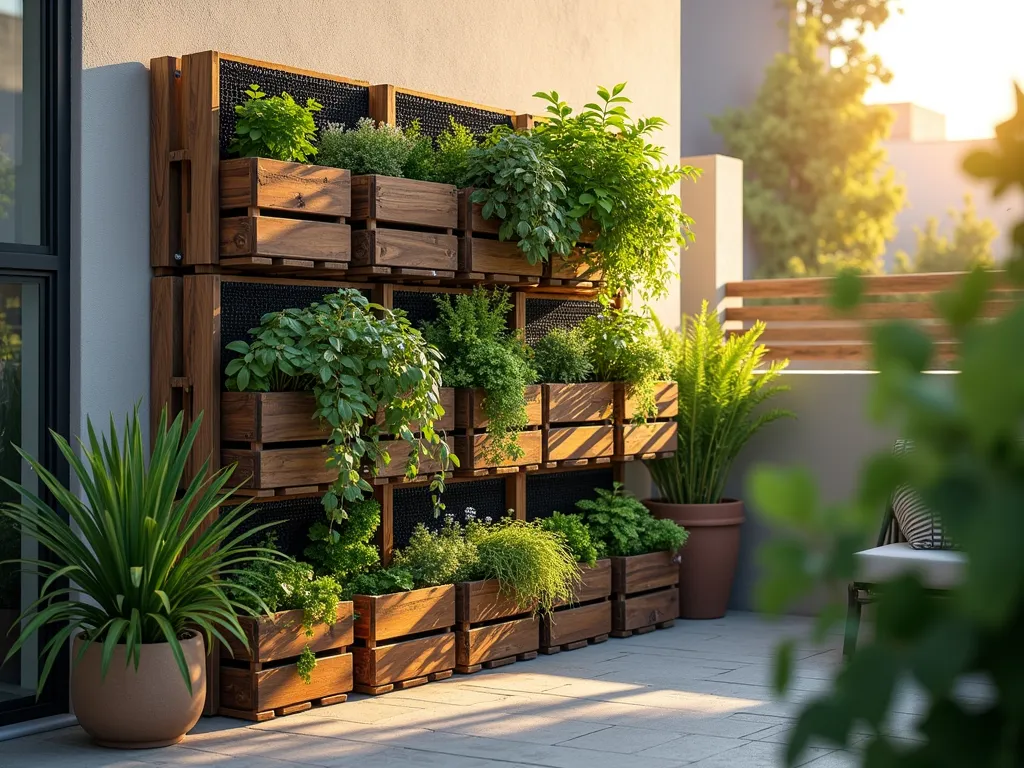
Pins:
x,y
616,177
479,351
359,360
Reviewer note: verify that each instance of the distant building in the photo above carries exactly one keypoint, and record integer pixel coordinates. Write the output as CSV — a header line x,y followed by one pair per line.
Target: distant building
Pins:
x,y
726,46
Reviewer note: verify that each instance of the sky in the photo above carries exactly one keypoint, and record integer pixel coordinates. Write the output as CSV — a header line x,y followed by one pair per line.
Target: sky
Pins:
x,y
958,57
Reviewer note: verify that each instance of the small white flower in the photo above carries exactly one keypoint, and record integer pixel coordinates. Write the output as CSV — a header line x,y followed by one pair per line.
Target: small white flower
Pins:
x,y
487,519
469,514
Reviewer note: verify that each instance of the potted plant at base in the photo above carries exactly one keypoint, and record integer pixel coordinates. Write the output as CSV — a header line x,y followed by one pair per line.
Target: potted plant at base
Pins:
x,y
720,390
143,597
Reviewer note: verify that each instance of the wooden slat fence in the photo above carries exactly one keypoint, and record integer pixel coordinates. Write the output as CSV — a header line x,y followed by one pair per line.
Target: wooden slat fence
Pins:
x,y
801,326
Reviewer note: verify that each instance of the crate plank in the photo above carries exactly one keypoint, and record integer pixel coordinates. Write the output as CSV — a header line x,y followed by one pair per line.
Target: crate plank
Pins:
x,y
384,617
506,639
271,237
580,442
576,624
576,403
404,201
404,660
404,248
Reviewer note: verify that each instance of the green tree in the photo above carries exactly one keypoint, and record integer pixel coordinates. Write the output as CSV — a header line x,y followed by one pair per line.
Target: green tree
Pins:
x,y
968,467
969,246
815,192
842,24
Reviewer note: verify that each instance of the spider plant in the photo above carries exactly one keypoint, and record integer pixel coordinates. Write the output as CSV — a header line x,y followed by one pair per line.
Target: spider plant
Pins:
x,y
144,565
720,391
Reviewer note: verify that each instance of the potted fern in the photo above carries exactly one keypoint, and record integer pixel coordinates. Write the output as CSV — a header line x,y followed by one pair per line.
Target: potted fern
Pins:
x,y
720,391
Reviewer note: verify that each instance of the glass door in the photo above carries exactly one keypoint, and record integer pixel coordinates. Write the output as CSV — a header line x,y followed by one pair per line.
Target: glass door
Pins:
x,y
35,224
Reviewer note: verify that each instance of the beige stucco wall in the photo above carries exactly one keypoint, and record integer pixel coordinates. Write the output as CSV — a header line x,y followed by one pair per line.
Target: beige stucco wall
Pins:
x,y
495,52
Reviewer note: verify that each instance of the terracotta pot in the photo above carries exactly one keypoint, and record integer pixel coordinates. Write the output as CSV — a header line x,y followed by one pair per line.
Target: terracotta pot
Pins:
x,y
129,709
709,557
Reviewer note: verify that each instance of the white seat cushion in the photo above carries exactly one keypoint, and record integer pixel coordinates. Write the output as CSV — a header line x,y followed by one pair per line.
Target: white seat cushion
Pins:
x,y
937,568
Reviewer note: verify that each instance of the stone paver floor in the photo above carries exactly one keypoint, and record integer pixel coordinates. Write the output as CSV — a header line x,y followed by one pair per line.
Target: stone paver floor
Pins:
x,y
697,694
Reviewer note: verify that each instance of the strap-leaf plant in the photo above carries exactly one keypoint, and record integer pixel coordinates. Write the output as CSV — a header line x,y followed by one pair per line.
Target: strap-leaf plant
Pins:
x,y
359,359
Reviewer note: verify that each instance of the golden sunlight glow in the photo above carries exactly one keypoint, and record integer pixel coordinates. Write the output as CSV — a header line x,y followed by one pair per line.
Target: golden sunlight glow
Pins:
x,y
958,57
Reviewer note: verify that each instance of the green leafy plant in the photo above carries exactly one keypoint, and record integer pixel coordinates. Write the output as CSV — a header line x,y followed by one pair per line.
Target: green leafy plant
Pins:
x,y
531,564
384,581
285,585
563,357
721,387
479,351
624,348
969,246
352,551
622,526
275,127
435,558
967,467
137,579
368,148
619,180
358,359
576,535
518,182
451,157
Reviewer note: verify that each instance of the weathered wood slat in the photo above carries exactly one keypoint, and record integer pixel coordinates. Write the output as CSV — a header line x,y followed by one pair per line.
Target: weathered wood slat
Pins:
x,y
578,403
873,285
579,442
851,351
910,310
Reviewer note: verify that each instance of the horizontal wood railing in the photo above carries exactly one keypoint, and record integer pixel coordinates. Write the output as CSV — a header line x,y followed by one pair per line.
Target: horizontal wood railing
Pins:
x,y
801,326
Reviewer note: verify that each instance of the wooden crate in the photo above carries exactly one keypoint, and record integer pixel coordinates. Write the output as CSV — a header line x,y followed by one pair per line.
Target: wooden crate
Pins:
x,y
404,639
588,619
263,681
420,245
645,593
577,423
188,180
471,440
653,438
575,269
286,417
491,630
482,256
313,235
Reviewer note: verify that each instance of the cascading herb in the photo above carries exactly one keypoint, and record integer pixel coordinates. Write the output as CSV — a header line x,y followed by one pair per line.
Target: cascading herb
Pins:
x,y
358,359
274,126
285,585
518,183
624,348
614,176
479,351
563,357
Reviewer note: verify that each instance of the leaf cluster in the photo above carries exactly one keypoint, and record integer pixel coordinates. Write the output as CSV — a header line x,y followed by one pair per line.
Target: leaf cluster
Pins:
x,y
351,552
621,526
616,177
563,357
371,374
969,245
140,562
518,182
624,347
722,386
471,332
384,581
967,467
274,126
574,533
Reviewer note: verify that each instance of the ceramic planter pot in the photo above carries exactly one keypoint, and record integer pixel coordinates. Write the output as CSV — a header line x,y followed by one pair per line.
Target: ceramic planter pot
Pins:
x,y
129,709
709,558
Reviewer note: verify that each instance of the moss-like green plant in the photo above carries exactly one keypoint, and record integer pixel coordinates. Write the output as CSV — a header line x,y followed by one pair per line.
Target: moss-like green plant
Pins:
x,y
275,127
624,348
368,148
574,533
471,333
531,564
351,552
563,357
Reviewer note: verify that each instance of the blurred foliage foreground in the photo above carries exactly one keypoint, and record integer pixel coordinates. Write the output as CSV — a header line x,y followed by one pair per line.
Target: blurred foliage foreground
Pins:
x,y
968,467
